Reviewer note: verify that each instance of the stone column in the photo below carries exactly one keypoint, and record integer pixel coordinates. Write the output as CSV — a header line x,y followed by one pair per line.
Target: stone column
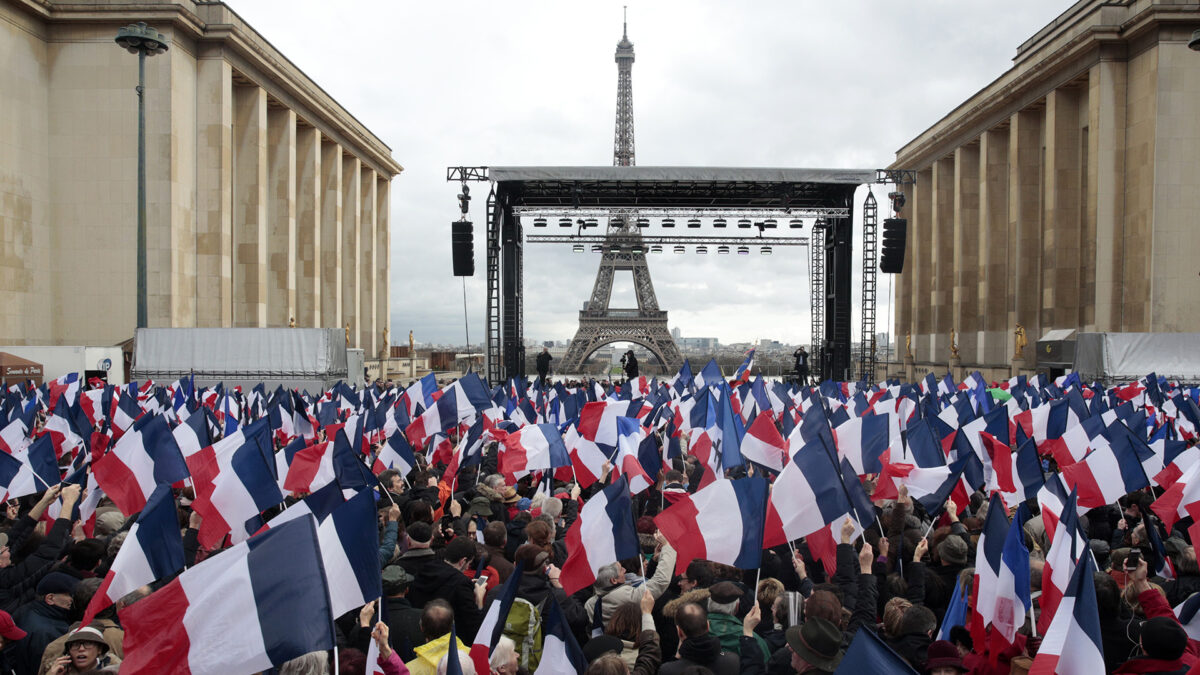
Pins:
x,y
308,227
214,184
331,236
966,319
383,256
351,213
920,228
993,247
1025,223
1061,238
1106,183
942,259
368,272
281,214
250,206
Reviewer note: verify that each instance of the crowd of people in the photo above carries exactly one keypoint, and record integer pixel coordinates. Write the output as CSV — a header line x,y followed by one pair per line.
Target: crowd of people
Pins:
x,y
448,545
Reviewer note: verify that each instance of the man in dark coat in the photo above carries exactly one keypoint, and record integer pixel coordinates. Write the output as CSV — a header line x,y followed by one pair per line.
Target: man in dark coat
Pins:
x,y
18,580
45,618
446,578
699,647
631,365
543,365
403,620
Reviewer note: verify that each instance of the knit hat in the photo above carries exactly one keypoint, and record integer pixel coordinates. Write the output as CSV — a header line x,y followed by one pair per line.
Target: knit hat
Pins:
x,y
953,550
85,634
57,582
420,531
1163,638
523,504
943,654
818,642
645,525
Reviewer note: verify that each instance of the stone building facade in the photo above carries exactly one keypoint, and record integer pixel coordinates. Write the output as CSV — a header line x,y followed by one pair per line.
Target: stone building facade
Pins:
x,y
1063,195
267,201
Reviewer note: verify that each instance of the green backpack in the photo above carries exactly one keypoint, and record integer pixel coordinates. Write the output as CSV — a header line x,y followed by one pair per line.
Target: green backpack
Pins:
x,y
524,628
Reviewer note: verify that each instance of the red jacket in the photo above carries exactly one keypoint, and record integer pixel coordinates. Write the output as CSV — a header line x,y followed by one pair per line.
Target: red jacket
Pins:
x,y
1154,605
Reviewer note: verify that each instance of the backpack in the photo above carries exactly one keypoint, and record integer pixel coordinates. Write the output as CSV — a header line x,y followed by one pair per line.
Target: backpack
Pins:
x,y
524,628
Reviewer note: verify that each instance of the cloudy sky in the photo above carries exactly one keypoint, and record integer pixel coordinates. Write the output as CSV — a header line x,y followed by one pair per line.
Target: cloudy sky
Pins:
x,y
786,83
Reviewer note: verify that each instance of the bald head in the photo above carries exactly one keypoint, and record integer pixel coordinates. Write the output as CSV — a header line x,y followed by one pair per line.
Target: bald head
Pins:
x,y
436,619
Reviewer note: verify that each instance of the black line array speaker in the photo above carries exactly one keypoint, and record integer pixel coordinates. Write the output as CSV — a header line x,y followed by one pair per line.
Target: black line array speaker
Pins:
x,y
462,248
891,258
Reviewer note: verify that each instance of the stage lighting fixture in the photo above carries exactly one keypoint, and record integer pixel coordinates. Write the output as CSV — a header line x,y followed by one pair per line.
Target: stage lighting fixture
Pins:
x,y
723,250
539,222
656,248
614,248
597,248
744,223
680,249
591,222
668,222
743,250
564,222
643,222
694,223
719,222
796,224
578,248
766,250
618,222
770,223
637,249
702,249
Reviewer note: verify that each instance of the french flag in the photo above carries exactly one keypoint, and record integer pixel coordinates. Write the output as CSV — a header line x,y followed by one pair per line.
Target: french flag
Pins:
x,y
764,444
1106,475
192,435
1066,549
537,446
14,437
587,459
743,372
861,440
28,472
1181,500
318,505
602,534
310,469
235,481
808,496
1001,583
934,486
560,650
66,389
626,464
492,627
396,454
709,376
237,612
421,394
722,523
1073,643
144,457
350,553
153,550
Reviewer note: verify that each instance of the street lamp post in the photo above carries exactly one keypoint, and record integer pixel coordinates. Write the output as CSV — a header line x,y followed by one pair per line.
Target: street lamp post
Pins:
x,y
144,41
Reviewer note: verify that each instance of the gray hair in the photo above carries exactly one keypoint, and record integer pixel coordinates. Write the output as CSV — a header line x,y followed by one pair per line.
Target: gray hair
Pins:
x,y
114,546
729,608
494,481
608,574
464,660
312,663
552,507
505,652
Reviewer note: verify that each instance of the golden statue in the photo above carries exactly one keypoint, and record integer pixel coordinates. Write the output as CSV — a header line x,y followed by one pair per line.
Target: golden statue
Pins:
x,y
292,322
386,334
347,334
411,348
1021,342
908,345
953,344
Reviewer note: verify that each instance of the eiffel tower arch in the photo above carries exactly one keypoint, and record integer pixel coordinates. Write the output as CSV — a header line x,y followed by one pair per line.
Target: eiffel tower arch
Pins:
x,y
600,324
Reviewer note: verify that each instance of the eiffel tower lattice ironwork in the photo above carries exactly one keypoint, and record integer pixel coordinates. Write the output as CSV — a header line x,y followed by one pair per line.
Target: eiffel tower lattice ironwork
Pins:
x,y
600,324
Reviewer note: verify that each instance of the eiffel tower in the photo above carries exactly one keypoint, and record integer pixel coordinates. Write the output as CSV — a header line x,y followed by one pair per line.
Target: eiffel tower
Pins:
x,y
600,324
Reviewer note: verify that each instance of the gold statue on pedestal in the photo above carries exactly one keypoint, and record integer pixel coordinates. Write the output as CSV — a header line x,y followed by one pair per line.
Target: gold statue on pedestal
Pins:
x,y
411,348
1021,342
953,344
292,322
384,350
347,334
908,345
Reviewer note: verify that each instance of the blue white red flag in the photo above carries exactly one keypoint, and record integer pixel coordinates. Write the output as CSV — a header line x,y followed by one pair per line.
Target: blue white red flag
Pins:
x,y
602,534
722,523
144,457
